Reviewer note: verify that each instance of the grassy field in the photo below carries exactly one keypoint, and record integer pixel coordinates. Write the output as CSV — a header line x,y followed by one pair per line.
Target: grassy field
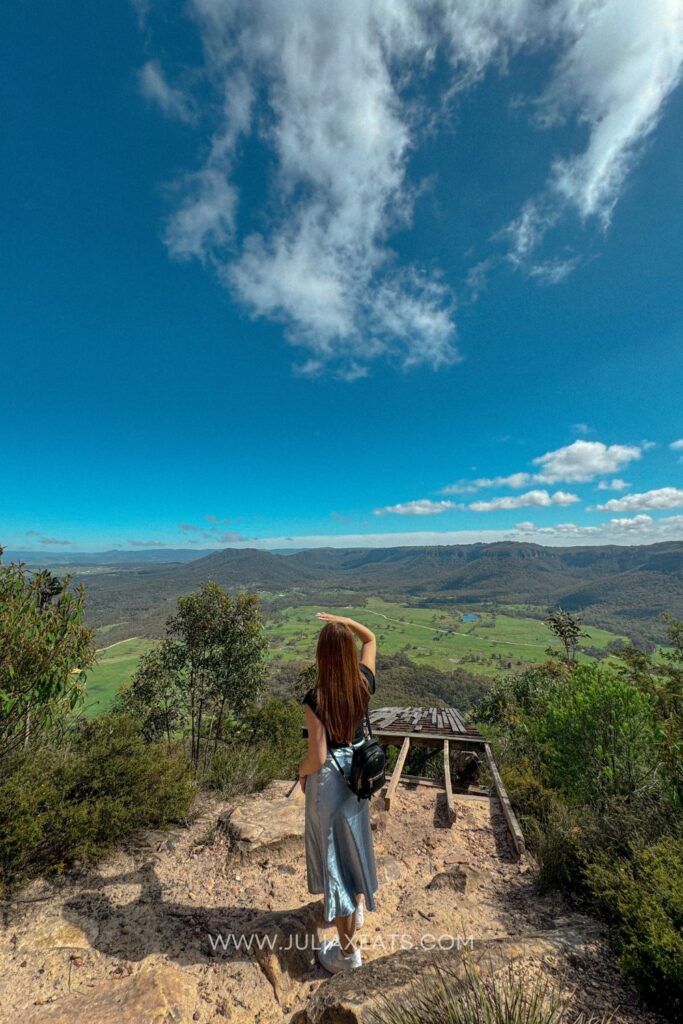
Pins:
x,y
491,646
429,636
115,666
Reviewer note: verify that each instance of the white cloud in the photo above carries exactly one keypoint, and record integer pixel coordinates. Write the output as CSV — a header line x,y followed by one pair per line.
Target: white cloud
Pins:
x,y
421,507
676,446
641,522
141,8
154,87
341,136
575,463
621,59
481,483
584,460
624,59
662,497
342,105
641,529
613,485
564,534
554,270
540,498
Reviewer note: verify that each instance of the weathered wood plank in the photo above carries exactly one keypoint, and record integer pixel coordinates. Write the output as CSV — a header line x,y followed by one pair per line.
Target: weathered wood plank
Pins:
x,y
396,774
512,823
459,791
450,806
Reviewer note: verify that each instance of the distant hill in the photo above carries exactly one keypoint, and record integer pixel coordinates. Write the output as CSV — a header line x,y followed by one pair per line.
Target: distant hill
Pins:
x,y
621,588
117,557
114,557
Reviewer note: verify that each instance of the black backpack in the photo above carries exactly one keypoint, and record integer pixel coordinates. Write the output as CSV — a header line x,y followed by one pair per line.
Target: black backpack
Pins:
x,y
368,766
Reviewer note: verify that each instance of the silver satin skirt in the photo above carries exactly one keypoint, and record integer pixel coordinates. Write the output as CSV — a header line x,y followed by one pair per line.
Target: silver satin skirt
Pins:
x,y
340,860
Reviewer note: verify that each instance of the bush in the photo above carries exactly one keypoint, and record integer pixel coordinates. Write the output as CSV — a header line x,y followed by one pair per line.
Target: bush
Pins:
x,y
555,831
267,745
60,805
592,759
599,737
643,898
468,996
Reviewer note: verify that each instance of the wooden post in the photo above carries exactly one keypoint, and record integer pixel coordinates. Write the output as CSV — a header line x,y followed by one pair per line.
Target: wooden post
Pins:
x,y
396,774
512,823
447,779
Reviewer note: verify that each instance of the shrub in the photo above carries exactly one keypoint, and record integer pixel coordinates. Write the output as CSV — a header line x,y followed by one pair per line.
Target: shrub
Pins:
x,y
266,745
556,832
44,653
643,898
69,803
599,737
448,996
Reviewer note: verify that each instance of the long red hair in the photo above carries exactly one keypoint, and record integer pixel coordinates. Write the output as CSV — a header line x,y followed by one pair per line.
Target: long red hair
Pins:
x,y
342,689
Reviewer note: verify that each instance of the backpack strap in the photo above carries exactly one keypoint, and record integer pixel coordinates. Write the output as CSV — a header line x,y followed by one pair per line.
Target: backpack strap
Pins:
x,y
341,770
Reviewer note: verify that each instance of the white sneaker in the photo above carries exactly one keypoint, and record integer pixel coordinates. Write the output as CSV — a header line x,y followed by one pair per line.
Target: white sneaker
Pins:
x,y
333,960
360,914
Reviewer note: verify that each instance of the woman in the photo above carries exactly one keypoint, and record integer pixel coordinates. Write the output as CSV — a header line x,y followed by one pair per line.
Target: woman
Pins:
x,y
340,860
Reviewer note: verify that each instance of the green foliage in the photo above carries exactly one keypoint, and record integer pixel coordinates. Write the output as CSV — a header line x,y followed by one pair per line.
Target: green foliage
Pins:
x,y
267,744
44,652
217,646
643,897
591,757
599,738
449,995
60,804
155,697
207,672
568,629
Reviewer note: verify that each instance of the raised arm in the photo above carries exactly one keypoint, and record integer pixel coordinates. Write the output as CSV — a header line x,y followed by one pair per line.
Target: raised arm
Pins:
x,y
368,654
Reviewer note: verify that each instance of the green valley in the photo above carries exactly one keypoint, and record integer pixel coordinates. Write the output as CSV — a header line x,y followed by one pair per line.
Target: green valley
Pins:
x,y
497,642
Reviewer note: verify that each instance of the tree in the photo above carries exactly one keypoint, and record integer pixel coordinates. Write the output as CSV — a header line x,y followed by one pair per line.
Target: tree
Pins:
x,y
569,630
207,672
44,652
155,695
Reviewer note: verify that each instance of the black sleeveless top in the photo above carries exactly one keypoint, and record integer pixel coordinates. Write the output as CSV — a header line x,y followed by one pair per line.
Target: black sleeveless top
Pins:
x,y
311,699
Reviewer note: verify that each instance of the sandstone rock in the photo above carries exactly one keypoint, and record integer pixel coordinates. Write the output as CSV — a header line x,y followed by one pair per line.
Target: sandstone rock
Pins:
x,y
283,945
457,858
163,996
256,824
454,878
389,869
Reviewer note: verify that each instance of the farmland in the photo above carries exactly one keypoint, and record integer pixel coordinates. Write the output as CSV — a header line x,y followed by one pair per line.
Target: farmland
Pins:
x,y
492,644
115,666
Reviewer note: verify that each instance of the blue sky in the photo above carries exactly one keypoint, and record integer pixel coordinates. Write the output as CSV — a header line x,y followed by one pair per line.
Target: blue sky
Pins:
x,y
280,274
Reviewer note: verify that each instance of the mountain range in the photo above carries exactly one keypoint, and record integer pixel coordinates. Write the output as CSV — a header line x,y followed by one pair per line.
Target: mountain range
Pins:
x,y
621,588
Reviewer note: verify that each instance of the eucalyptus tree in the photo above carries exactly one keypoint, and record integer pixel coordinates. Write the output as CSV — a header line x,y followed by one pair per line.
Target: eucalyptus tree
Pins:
x,y
568,629
216,646
45,651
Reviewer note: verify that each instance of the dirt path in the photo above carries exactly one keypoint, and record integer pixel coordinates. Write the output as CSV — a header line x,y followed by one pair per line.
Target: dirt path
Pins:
x,y
99,649
160,904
